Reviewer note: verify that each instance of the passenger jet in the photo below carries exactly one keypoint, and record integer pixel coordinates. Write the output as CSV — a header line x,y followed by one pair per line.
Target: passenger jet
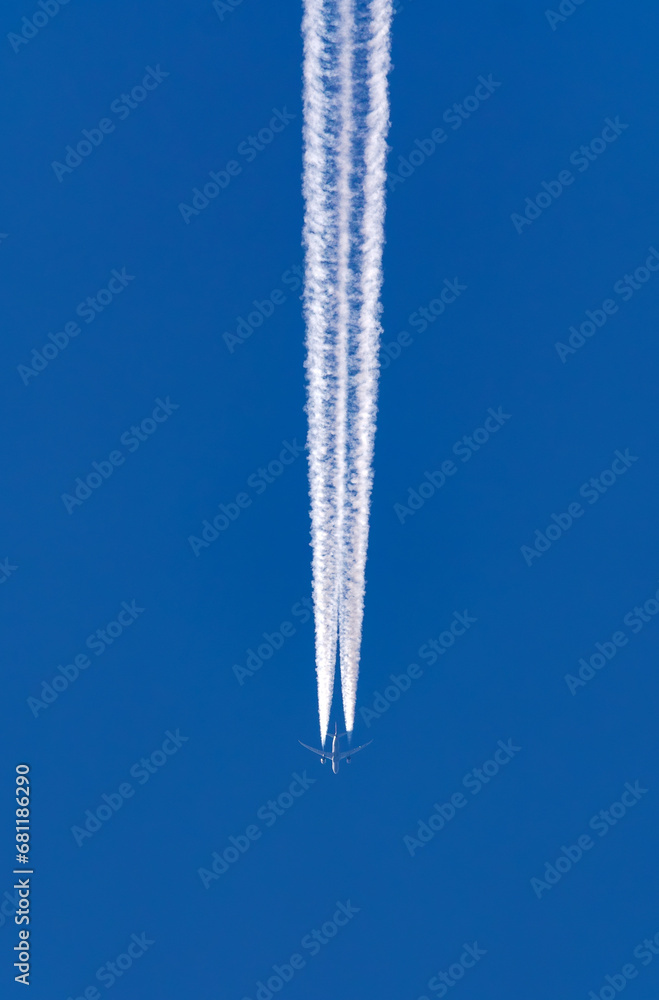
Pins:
x,y
335,754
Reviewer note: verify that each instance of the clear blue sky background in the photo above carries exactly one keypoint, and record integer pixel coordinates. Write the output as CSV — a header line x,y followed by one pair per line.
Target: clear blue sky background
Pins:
x,y
172,668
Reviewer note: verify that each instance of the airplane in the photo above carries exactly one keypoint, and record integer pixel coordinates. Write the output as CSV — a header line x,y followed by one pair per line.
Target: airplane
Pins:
x,y
335,754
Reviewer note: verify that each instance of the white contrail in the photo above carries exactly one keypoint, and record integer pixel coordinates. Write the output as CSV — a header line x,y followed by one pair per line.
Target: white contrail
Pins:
x,y
346,117
364,409
319,238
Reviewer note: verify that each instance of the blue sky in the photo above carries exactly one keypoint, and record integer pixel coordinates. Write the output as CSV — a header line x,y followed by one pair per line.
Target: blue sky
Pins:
x,y
155,381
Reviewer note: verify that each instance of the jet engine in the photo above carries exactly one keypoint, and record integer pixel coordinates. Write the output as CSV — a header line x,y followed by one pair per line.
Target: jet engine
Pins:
x,y
348,759
322,760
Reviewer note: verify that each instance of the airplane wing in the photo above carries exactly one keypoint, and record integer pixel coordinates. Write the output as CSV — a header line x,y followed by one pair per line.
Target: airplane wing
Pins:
x,y
349,753
321,753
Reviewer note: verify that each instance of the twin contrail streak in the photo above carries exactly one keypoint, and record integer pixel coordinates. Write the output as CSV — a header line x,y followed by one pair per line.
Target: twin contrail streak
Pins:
x,y
346,117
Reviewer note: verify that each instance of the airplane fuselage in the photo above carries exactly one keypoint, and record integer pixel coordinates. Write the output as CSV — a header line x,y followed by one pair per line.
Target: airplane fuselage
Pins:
x,y
336,753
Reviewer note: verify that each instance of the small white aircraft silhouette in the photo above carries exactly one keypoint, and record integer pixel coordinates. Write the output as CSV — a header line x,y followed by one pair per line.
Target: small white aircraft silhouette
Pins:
x,y
335,754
